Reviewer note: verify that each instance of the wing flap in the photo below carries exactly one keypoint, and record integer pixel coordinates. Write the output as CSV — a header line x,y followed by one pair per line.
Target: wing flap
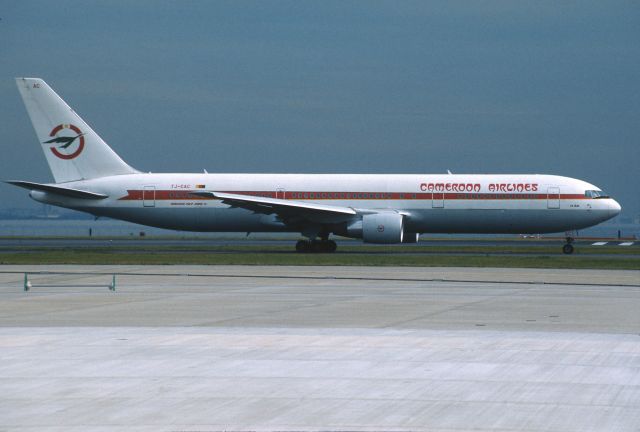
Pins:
x,y
58,190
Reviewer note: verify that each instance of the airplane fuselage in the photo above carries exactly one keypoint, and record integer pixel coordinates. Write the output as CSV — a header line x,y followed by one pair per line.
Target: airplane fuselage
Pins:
x,y
431,203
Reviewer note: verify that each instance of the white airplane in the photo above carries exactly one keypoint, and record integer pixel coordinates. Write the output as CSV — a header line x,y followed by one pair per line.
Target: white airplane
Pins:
x,y
377,208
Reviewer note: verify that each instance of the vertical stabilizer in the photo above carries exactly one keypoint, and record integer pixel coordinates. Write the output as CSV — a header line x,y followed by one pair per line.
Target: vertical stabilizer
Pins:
x,y
73,150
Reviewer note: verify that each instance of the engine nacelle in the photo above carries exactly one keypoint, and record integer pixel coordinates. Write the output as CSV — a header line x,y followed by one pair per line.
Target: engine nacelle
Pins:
x,y
383,228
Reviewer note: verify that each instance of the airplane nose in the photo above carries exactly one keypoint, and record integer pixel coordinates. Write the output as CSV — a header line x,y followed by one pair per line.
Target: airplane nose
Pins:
x,y
614,208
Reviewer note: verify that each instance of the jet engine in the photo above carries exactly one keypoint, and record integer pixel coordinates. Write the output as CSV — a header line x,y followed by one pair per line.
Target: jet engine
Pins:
x,y
383,228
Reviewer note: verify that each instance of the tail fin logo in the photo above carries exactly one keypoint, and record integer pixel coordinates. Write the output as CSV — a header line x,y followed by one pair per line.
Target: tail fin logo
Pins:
x,y
62,151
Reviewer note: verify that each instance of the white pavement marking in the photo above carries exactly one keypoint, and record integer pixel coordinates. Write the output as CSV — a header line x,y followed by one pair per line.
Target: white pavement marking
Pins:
x,y
599,243
626,244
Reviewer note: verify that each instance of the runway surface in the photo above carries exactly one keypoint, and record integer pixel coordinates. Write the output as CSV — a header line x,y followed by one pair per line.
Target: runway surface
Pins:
x,y
319,348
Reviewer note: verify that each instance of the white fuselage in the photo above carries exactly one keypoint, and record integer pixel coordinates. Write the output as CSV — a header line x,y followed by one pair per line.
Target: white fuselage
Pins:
x,y
430,203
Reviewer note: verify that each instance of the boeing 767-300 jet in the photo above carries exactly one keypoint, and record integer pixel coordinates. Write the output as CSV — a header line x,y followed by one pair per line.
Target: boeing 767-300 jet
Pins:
x,y
377,208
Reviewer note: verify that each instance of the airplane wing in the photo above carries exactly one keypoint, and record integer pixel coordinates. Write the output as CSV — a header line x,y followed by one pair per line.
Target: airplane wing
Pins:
x,y
58,190
288,210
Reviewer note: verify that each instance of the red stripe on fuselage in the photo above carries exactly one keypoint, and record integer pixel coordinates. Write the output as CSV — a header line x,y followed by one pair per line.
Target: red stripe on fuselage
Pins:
x,y
171,195
160,195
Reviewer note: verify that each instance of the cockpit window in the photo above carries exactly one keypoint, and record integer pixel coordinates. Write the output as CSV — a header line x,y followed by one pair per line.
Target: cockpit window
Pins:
x,y
595,194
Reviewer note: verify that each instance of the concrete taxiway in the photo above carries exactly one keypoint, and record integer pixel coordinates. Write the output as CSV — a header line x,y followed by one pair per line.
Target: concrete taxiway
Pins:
x,y
319,348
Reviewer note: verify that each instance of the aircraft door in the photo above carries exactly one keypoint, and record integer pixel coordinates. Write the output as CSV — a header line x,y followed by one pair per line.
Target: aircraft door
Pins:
x,y
553,198
280,193
149,196
437,200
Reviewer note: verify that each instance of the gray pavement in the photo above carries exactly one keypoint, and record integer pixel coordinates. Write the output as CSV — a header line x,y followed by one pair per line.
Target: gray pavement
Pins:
x,y
319,348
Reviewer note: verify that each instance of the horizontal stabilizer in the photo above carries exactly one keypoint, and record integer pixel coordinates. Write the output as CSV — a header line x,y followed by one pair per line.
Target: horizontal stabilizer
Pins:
x,y
58,190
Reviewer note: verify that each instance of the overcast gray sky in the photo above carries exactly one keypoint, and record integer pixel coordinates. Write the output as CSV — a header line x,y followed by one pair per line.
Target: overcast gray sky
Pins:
x,y
381,87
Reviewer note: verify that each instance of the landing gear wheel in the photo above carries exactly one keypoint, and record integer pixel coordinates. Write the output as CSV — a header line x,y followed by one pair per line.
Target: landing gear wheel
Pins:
x,y
567,249
317,246
303,246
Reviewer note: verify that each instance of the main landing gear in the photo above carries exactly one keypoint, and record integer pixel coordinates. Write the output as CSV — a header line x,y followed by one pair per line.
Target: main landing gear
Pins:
x,y
568,247
316,246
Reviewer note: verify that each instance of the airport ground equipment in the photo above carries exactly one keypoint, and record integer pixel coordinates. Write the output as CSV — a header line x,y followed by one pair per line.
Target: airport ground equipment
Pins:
x,y
28,284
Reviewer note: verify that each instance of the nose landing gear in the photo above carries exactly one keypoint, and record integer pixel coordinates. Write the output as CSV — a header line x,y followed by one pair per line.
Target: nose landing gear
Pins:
x,y
568,247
